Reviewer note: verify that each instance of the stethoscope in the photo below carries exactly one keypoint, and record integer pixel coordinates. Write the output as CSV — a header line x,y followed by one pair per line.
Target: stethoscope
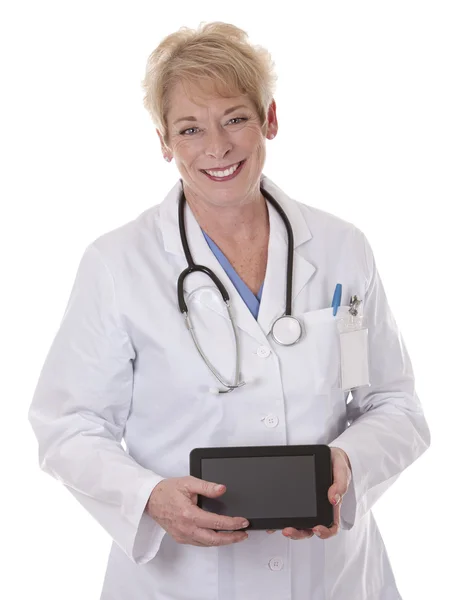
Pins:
x,y
286,330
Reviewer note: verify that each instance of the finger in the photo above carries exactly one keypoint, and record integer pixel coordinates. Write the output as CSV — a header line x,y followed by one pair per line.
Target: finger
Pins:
x,y
297,534
327,532
207,537
271,531
208,520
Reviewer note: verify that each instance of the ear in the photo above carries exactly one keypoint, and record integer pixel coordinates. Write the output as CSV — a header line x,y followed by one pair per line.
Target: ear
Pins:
x,y
164,149
273,125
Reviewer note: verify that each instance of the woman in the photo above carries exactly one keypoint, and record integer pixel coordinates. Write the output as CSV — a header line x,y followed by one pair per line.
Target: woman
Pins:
x,y
123,364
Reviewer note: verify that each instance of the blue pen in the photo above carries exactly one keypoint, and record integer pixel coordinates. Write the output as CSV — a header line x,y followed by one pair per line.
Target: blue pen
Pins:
x,y
336,298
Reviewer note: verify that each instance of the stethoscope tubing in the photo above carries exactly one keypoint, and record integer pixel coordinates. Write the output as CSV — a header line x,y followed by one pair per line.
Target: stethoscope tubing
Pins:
x,y
193,267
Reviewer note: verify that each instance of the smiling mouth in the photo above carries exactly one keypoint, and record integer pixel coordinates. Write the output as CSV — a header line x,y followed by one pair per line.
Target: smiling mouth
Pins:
x,y
226,174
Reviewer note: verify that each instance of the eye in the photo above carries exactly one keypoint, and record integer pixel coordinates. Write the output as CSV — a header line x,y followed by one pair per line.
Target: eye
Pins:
x,y
184,132
237,119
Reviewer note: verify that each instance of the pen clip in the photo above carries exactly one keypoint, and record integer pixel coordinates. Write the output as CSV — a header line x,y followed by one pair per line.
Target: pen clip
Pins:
x,y
354,305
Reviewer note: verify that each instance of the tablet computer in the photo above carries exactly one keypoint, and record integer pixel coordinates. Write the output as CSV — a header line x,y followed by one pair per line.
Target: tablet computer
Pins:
x,y
272,486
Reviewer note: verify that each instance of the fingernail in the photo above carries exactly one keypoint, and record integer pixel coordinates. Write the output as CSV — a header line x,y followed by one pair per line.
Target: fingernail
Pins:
x,y
245,524
336,499
317,533
218,488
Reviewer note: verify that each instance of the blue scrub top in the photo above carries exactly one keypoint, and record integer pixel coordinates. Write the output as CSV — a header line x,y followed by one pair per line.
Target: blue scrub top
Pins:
x,y
252,301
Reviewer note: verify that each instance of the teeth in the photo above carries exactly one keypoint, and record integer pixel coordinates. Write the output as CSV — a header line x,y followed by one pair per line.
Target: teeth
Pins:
x,y
225,173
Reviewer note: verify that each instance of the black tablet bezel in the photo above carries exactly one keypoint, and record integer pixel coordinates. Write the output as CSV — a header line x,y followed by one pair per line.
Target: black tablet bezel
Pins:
x,y
323,477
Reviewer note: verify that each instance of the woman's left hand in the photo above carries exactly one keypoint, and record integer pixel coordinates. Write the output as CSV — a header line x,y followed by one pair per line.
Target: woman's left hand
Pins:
x,y
342,475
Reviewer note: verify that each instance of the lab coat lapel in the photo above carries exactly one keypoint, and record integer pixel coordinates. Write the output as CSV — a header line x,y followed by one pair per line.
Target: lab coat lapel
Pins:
x,y
199,283
272,304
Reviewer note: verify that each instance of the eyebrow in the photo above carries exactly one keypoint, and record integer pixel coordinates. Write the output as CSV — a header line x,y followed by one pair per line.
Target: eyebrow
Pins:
x,y
227,111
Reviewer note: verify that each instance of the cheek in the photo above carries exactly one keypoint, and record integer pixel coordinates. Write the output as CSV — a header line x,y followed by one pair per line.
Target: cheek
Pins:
x,y
260,150
182,150
184,153
254,142
254,134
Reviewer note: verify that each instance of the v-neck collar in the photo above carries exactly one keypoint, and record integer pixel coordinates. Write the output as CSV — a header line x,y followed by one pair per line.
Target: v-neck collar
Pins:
x,y
252,300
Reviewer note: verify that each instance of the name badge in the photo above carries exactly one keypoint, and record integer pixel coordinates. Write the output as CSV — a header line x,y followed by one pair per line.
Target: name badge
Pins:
x,y
353,336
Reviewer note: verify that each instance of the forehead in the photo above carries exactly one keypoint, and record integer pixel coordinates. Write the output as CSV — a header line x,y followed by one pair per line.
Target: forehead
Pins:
x,y
190,99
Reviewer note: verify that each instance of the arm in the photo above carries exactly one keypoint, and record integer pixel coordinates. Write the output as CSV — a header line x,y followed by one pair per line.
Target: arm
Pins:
x,y
387,431
79,410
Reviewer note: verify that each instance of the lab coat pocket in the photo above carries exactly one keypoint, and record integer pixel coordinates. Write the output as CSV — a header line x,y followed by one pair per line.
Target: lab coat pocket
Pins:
x,y
319,348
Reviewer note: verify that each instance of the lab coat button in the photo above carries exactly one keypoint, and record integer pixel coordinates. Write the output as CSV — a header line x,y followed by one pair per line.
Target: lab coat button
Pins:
x,y
276,564
271,421
263,351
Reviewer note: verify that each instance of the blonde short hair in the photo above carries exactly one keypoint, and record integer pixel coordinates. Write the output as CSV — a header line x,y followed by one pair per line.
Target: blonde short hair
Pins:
x,y
216,53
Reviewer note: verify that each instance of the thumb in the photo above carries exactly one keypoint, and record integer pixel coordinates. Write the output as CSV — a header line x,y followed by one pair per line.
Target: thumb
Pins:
x,y
335,494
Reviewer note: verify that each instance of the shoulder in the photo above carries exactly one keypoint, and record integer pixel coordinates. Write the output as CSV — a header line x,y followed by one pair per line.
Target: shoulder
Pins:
x,y
346,241
330,239
323,223
142,235
128,239
320,224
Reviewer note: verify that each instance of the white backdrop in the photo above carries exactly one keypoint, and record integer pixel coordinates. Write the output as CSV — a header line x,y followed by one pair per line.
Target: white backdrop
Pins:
x,y
368,130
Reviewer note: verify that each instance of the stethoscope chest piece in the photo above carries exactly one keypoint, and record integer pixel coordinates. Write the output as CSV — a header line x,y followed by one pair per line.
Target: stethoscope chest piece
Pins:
x,y
286,330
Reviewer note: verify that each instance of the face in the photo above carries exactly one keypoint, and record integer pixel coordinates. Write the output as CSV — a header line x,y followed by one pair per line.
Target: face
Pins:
x,y
211,133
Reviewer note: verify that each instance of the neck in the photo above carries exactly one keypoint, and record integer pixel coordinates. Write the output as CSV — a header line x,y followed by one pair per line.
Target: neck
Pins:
x,y
239,222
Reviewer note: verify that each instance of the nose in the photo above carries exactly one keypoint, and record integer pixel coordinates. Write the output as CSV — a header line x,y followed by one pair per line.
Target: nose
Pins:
x,y
218,143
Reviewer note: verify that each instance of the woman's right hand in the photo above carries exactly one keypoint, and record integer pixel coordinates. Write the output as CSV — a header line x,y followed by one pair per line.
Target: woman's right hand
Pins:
x,y
173,505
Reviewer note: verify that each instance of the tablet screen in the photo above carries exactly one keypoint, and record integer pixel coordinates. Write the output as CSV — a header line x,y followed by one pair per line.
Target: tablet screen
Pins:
x,y
262,487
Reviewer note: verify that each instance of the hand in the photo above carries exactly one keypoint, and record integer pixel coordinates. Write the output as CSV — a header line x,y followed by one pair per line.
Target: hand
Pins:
x,y
173,504
342,474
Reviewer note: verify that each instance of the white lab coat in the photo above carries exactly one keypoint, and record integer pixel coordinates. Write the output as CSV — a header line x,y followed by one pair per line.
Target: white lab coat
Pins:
x,y
123,365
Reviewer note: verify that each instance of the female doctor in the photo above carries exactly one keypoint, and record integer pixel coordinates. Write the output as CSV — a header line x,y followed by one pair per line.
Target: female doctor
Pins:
x,y
152,358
